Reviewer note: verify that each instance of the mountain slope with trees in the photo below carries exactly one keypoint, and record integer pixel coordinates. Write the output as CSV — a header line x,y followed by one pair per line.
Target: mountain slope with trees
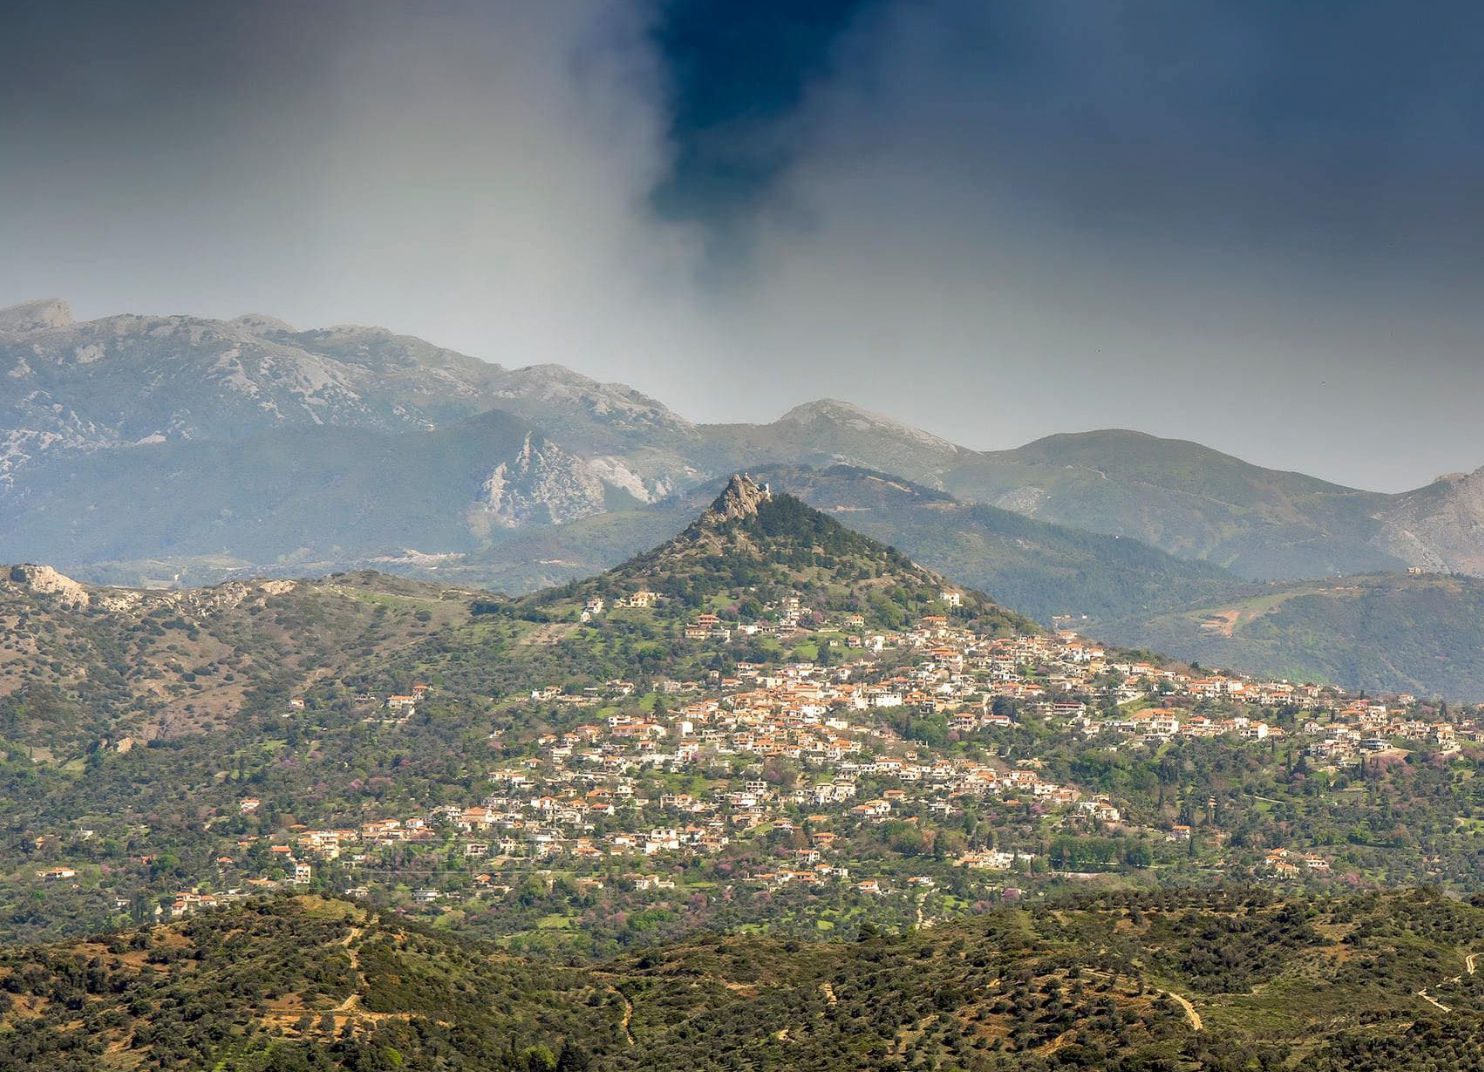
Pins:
x,y
1387,633
754,545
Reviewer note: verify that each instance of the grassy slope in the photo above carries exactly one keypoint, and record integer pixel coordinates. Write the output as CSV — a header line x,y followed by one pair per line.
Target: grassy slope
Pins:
x,y
1422,634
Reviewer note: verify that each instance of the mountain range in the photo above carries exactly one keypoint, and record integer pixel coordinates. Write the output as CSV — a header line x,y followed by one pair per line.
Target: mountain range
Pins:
x,y
173,449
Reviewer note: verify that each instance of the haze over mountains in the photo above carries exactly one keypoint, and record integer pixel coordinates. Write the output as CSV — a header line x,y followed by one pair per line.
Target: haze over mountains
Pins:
x,y
150,449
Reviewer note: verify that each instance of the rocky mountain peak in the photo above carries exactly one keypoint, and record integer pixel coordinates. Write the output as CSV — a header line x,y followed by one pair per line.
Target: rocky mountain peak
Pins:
x,y
540,484
740,498
35,316
259,324
850,419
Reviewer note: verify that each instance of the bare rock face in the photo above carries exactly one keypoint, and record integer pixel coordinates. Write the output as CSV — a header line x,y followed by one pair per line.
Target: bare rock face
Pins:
x,y
740,498
35,316
46,580
542,484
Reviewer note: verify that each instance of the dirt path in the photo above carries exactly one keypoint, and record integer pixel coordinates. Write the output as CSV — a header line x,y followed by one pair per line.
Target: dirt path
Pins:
x,y
1190,1014
829,994
348,942
628,1016
1425,996
922,921
1470,965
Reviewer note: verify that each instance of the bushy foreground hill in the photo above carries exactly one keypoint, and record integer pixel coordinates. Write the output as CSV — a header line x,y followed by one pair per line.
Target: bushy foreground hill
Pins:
x,y
1172,981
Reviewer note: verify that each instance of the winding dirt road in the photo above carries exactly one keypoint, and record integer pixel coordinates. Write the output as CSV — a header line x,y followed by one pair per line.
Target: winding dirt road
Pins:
x,y
1191,1015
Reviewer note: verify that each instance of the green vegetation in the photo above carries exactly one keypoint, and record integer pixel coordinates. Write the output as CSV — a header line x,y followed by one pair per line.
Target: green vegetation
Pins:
x,y
265,715
1386,633
1221,980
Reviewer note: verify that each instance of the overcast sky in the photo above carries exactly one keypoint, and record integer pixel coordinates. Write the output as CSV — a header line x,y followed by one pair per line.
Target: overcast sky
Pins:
x,y
1260,226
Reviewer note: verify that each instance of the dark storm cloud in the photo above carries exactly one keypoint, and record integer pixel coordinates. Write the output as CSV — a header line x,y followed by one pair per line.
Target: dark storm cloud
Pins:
x,y
735,75
1254,225
1257,225
1335,125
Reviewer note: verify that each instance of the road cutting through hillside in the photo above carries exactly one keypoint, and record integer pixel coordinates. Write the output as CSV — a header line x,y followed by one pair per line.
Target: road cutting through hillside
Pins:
x,y
1190,1014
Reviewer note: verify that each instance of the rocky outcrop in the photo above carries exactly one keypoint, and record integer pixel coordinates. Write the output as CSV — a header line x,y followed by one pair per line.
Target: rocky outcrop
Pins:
x,y
740,498
35,316
47,581
193,602
542,484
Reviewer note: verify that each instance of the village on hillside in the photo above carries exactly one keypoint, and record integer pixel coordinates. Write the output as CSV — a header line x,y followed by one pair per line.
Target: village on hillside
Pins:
x,y
933,743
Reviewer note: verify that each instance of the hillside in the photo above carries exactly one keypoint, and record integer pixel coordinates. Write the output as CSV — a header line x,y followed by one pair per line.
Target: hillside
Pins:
x,y
138,381
80,664
1186,499
1388,633
753,546
767,723
1216,981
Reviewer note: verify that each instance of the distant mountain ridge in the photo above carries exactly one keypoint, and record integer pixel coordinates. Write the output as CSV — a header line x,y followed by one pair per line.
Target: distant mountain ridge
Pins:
x,y
170,449
129,381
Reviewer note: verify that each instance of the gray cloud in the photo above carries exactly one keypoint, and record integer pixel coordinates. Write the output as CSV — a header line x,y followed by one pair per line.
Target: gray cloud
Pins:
x,y
1173,218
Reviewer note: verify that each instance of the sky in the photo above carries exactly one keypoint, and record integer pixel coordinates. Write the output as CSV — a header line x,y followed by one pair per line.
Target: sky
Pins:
x,y
1258,226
